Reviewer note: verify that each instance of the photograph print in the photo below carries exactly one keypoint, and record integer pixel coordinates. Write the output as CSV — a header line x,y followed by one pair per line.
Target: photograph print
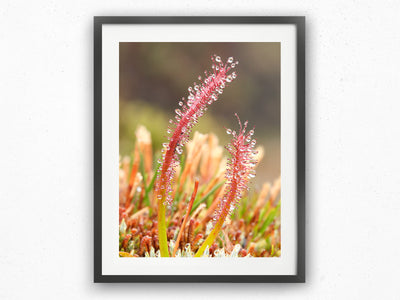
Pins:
x,y
199,140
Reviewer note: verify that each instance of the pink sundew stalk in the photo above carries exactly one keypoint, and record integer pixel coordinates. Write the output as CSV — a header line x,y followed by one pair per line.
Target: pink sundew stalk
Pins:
x,y
200,96
240,168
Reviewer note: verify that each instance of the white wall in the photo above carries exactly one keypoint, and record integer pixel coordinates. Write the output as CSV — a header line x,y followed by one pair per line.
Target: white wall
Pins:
x,y
353,165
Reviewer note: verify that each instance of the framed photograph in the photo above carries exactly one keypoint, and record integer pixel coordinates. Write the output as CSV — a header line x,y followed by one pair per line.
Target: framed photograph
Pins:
x,y
199,149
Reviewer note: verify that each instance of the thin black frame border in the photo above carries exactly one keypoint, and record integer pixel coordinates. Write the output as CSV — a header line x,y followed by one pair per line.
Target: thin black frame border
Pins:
x,y
299,22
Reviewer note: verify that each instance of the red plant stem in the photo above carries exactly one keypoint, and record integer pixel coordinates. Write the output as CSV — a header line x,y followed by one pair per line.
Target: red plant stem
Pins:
x,y
221,220
205,94
182,229
176,136
134,170
240,168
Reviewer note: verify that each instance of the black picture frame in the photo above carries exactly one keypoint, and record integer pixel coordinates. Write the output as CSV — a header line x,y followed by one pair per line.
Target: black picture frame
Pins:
x,y
299,23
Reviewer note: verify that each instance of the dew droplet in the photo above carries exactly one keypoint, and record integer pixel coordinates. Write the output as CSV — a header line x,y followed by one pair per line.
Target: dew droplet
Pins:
x,y
180,103
218,59
230,59
228,131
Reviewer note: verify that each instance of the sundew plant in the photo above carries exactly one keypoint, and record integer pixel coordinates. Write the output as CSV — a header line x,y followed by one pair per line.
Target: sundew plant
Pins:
x,y
197,203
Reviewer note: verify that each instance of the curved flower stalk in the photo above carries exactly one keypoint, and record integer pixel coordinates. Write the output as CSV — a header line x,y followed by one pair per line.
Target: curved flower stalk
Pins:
x,y
240,168
200,96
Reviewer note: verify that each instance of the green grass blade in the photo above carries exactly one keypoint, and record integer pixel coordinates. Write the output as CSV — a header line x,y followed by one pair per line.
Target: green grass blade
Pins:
x,y
199,200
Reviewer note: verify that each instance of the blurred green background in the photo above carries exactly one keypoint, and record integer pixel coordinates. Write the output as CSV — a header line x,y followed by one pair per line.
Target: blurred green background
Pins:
x,y
155,76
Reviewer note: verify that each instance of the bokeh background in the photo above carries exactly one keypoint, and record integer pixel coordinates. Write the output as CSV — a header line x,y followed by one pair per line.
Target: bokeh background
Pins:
x,y
155,76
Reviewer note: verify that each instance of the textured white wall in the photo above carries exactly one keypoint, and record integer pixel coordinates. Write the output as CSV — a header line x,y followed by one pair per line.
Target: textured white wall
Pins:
x,y
353,130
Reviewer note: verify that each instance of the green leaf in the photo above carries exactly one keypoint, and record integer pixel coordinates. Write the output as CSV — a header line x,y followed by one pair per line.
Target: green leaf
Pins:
x,y
122,227
148,189
270,218
199,200
243,207
141,168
